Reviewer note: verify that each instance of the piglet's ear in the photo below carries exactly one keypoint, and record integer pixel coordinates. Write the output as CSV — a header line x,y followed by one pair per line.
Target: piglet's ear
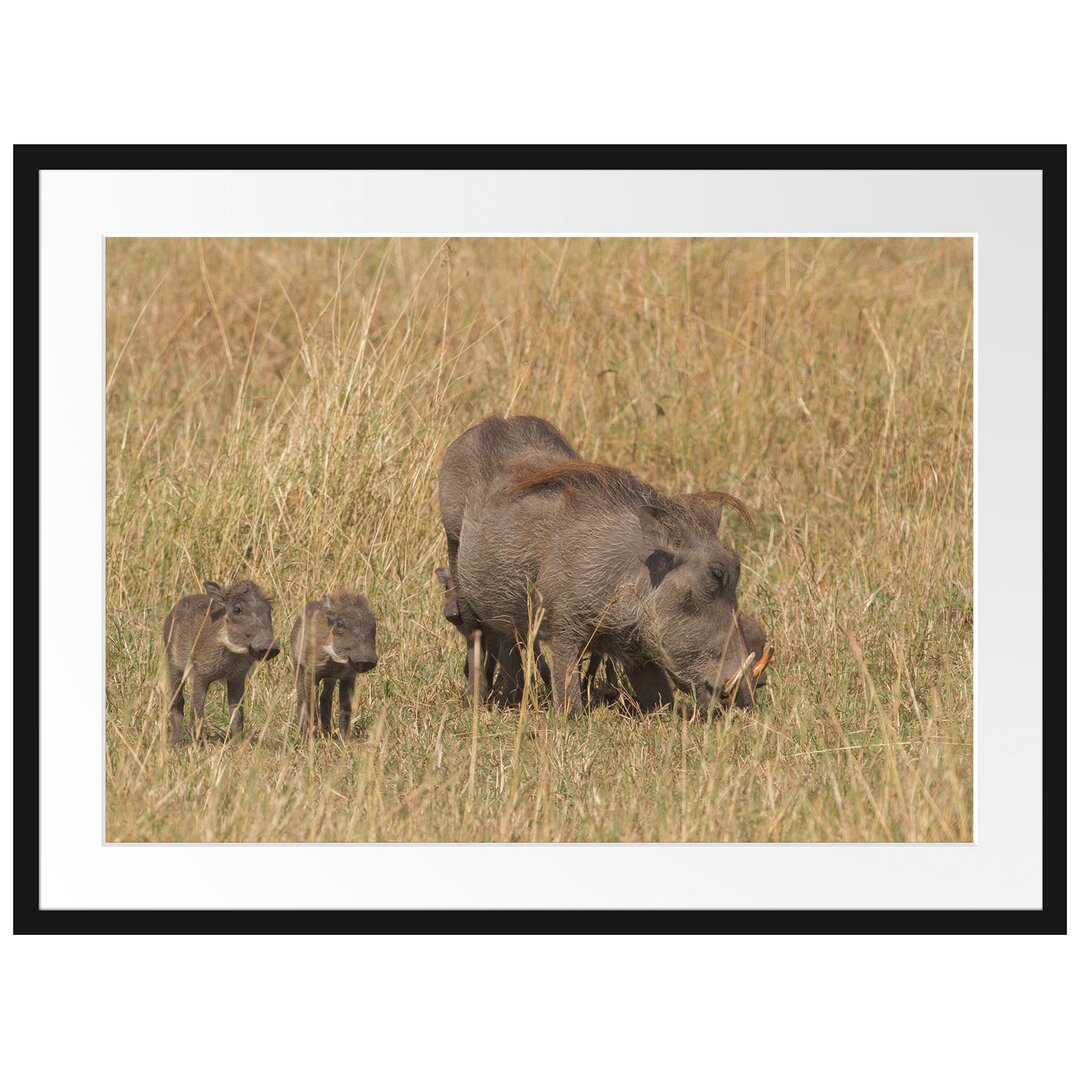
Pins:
x,y
328,607
212,588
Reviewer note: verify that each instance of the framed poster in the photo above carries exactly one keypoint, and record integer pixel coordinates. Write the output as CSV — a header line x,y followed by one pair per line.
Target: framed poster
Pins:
x,y
540,532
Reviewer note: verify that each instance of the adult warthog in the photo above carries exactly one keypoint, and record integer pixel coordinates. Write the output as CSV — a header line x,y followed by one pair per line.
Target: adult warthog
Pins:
x,y
480,459
613,566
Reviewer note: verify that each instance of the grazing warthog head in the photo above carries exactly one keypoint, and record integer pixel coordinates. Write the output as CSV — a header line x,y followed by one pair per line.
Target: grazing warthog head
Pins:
x,y
757,656
351,625
246,626
749,639
692,609
451,611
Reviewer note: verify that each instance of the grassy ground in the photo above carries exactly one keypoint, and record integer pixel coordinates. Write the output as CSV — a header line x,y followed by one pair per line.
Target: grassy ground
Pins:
x,y
277,410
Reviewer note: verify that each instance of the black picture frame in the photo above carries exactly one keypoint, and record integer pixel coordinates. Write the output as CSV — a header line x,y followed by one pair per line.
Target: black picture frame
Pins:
x,y
30,160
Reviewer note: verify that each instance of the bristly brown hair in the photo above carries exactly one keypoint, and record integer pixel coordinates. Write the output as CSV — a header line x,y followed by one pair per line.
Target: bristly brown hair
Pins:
x,y
574,475
710,505
705,507
238,590
346,601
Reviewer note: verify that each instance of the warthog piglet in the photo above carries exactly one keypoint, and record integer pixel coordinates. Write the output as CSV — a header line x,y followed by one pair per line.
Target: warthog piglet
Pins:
x,y
213,636
333,640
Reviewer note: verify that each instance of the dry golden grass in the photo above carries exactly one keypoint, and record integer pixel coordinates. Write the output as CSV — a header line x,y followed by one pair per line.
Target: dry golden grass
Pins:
x,y
277,409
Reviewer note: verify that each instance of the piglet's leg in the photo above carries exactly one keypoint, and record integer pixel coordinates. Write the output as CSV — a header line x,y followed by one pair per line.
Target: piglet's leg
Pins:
x,y
198,703
345,699
326,704
305,701
235,691
176,706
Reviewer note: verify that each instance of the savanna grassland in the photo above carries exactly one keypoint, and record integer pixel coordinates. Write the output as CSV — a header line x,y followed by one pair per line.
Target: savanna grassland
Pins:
x,y
277,409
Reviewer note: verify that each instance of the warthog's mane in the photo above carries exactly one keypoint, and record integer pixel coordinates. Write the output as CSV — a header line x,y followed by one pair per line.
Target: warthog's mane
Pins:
x,y
697,511
576,476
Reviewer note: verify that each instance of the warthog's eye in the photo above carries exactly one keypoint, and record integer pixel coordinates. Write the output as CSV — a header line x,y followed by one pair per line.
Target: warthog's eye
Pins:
x,y
238,609
719,574
339,626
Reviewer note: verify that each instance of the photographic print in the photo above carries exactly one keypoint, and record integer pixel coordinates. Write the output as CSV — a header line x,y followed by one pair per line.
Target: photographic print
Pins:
x,y
582,539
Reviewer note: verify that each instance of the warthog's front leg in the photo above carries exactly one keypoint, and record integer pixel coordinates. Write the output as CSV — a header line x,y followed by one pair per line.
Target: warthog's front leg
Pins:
x,y
489,665
492,654
588,683
565,676
510,683
235,693
345,699
651,687
542,668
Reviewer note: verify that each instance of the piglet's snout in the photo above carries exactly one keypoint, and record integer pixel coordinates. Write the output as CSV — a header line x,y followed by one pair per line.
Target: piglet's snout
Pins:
x,y
264,651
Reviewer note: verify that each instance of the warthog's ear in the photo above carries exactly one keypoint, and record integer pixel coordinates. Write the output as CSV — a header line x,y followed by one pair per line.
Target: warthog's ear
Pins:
x,y
328,607
658,528
708,507
212,588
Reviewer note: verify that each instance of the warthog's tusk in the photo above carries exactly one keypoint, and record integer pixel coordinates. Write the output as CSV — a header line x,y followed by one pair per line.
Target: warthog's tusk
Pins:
x,y
734,680
763,663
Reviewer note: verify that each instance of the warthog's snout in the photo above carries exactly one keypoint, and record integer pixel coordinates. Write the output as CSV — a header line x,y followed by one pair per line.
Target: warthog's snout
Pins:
x,y
263,651
364,663
737,688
